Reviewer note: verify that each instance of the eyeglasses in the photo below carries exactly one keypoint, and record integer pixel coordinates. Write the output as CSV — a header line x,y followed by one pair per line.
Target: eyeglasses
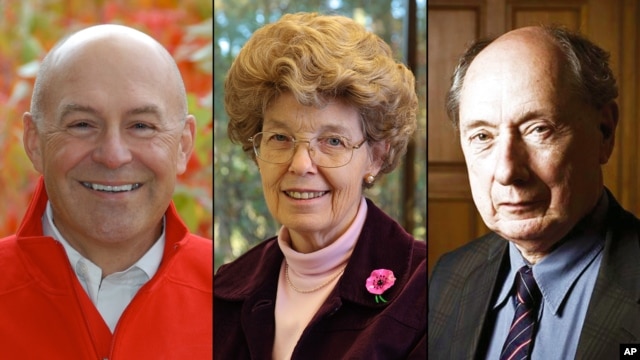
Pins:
x,y
330,151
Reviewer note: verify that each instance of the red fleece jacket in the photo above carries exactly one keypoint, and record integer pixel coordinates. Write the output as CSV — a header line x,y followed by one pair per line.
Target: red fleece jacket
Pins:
x,y
46,314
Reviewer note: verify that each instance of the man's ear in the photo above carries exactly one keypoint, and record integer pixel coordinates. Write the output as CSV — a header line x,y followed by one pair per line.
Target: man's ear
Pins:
x,y
608,124
31,141
186,144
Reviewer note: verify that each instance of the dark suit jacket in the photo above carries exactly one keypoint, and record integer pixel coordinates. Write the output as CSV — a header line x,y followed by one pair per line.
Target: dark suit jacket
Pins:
x,y
464,282
350,324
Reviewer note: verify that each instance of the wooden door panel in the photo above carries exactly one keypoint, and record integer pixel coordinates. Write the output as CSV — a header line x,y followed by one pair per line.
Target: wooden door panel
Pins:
x,y
453,225
450,31
524,16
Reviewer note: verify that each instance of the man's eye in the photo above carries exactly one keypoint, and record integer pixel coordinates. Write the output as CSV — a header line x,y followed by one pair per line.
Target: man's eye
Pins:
x,y
480,137
141,126
541,129
80,124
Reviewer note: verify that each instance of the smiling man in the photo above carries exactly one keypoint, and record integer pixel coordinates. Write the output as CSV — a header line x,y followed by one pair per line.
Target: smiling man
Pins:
x,y
557,278
102,266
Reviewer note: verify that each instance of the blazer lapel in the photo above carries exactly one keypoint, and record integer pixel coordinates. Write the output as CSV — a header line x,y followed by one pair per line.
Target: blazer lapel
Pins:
x,y
476,301
613,316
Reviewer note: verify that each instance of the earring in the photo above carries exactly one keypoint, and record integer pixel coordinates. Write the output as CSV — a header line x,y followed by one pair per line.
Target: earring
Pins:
x,y
370,179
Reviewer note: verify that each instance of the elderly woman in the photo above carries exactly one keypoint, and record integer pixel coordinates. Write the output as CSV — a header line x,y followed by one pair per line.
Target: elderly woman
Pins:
x,y
324,110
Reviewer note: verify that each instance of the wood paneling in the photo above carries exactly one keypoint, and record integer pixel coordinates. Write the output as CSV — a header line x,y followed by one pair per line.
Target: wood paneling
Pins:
x,y
443,50
441,212
451,30
629,138
525,16
449,182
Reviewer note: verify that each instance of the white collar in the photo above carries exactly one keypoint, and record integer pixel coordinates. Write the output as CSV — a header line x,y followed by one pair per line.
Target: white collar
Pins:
x,y
149,262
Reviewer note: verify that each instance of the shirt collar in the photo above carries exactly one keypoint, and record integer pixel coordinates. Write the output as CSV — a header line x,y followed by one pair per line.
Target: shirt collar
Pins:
x,y
149,262
558,271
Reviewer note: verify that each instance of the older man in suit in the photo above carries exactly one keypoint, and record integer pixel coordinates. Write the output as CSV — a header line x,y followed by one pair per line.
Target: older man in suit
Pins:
x,y
559,276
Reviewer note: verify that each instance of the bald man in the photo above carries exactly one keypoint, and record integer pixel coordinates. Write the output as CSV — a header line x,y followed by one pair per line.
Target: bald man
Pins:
x,y
102,266
536,114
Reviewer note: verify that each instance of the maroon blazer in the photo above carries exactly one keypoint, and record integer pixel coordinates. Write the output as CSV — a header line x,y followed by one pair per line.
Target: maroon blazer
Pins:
x,y
350,324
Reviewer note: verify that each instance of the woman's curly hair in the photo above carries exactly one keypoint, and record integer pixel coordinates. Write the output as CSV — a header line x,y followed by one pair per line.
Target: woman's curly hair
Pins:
x,y
318,58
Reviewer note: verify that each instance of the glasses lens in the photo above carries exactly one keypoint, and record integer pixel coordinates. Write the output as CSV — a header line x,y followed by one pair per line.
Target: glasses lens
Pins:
x,y
272,147
326,152
331,151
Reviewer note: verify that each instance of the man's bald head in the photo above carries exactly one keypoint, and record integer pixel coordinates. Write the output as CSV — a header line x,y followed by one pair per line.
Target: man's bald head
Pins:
x,y
106,44
586,65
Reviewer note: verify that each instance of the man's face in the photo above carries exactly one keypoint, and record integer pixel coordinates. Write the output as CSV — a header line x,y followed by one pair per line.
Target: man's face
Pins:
x,y
533,149
110,144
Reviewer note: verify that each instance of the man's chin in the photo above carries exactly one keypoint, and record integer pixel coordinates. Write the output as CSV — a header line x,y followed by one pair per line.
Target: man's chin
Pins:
x,y
535,229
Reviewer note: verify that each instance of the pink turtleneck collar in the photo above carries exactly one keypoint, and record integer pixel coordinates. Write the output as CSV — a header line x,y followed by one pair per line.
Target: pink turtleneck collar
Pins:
x,y
294,310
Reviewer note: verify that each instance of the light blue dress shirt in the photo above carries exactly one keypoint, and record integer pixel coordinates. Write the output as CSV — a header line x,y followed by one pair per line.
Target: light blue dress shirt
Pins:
x,y
566,278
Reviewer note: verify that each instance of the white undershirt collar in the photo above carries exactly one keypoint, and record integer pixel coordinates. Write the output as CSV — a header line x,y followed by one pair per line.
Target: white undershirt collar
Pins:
x,y
112,294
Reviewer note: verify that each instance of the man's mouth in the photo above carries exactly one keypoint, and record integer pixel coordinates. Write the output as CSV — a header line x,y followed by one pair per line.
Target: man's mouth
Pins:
x,y
111,188
305,195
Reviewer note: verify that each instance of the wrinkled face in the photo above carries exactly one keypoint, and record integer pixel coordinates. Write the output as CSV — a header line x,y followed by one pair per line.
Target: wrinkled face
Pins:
x,y
533,149
111,143
311,201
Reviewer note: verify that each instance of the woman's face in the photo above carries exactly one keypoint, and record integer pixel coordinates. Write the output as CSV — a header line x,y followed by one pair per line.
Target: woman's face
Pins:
x,y
315,204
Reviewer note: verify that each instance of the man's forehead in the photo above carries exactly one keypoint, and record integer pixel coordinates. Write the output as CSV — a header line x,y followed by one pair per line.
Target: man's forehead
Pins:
x,y
525,47
513,78
514,60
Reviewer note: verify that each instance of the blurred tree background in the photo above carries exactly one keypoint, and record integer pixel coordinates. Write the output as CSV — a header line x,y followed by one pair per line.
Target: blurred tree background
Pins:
x,y
29,28
241,218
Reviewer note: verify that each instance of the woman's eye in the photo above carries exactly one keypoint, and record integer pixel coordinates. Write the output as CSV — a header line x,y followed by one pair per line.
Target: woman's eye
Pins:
x,y
280,137
333,141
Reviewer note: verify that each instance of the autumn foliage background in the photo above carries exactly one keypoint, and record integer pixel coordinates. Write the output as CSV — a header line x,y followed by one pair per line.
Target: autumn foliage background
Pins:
x,y
28,29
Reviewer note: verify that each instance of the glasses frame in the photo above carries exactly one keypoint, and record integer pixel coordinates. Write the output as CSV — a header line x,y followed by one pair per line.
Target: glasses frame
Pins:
x,y
295,145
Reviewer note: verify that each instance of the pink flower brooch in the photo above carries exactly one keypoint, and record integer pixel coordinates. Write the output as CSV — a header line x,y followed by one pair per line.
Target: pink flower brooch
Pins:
x,y
379,281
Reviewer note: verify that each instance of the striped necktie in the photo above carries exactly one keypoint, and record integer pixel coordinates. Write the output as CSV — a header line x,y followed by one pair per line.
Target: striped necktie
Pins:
x,y
518,343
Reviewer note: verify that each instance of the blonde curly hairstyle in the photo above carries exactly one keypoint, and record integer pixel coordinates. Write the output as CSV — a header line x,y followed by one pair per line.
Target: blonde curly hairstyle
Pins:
x,y
318,58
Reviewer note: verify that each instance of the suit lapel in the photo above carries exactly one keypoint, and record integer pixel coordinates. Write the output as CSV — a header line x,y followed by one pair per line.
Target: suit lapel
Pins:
x,y
613,316
475,302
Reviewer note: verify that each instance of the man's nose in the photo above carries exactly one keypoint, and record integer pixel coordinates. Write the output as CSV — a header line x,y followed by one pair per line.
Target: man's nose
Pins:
x,y
511,161
112,150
